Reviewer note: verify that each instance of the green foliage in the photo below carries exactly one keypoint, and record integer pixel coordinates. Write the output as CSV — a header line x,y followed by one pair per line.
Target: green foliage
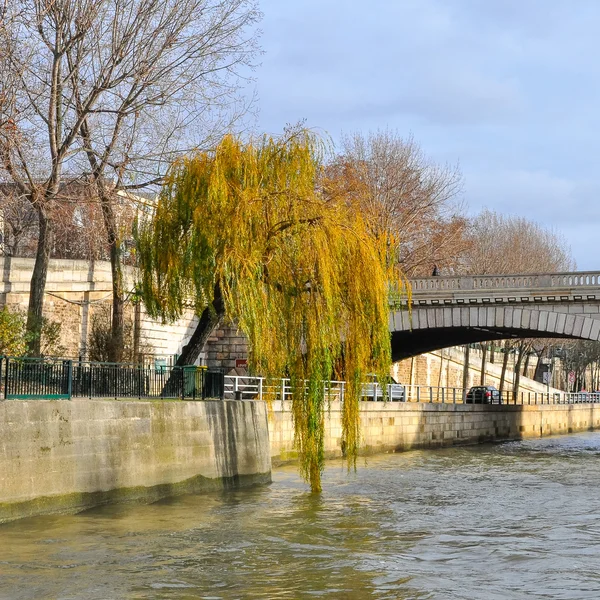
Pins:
x,y
49,333
300,272
13,337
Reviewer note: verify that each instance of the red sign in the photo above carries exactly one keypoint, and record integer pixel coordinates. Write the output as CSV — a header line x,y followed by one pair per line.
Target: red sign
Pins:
x,y
241,363
571,376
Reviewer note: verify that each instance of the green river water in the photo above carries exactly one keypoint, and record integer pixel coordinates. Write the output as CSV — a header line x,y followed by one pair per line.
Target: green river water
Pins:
x,y
514,520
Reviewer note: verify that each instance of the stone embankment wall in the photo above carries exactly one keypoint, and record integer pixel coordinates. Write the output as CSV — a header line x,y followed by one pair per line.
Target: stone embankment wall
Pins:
x,y
444,368
66,456
77,290
397,426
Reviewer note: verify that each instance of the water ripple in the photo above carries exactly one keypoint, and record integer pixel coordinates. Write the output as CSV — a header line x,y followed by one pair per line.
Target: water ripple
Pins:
x,y
511,521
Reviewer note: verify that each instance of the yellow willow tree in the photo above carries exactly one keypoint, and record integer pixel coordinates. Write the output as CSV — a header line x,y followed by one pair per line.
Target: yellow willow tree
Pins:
x,y
246,231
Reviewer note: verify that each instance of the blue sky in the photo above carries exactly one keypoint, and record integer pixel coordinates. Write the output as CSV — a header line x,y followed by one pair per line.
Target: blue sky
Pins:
x,y
509,90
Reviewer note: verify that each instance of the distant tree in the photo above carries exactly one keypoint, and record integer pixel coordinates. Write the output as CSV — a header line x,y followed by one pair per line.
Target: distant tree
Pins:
x,y
503,245
78,228
246,232
582,357
409,198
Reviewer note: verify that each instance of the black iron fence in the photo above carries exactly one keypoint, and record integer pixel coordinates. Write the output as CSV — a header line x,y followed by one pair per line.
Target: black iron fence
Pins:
x,y
28,378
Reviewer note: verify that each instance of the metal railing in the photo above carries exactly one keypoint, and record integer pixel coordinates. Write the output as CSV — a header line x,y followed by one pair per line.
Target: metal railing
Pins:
x,y
259,388
457,395
240,387
27,378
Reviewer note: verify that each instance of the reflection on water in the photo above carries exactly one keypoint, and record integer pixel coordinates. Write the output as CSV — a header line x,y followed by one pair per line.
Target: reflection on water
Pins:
x,y
514,520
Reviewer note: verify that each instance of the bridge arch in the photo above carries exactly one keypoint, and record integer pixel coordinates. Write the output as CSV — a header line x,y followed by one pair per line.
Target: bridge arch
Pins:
x,y
431,327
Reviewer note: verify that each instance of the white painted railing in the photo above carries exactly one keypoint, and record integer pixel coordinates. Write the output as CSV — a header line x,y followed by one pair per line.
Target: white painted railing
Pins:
x,y
258,388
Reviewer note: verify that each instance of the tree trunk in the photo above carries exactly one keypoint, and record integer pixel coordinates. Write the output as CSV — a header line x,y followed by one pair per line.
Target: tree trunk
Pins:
x,y
465,381
137,358
117,334
483,359
210,318
504,366
117,341
517,380
526,364
38,283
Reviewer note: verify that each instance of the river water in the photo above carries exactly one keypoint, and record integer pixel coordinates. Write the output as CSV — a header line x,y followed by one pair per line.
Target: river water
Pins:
x,y
514,520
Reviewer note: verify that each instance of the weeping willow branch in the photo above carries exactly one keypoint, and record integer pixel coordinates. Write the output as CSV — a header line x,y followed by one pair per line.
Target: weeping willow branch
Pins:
x,y
300,273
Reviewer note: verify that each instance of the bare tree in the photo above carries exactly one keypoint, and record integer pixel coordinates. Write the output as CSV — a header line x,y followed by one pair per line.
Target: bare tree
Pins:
x,y
19,223
111,92
502,245
78,229
412,200
582,357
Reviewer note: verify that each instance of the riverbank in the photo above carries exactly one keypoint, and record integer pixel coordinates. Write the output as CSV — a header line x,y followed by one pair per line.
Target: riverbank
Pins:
x,y
66,456
399,426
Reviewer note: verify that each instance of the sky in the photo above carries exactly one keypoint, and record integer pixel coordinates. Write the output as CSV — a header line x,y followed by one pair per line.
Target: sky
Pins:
x,y
507,89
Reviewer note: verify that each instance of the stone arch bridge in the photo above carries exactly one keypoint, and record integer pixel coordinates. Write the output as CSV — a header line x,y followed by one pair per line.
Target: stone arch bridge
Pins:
x,y
448,311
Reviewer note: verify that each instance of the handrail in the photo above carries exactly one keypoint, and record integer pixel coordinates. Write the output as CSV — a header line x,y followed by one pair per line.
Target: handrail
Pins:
x,y
257,388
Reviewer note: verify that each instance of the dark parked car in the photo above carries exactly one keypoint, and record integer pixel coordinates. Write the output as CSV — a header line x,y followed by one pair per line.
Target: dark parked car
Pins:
x,y
483,394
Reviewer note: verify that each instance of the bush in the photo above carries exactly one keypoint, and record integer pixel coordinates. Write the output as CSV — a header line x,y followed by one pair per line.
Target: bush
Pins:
x,y
13,337
101,336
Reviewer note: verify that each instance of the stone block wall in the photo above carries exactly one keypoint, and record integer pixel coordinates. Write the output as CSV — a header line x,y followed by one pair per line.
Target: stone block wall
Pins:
x,y
444,368
225,346
75,291
397,426
69,455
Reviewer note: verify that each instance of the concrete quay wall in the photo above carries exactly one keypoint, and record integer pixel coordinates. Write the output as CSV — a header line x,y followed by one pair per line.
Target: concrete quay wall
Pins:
x,y
398,426
65,456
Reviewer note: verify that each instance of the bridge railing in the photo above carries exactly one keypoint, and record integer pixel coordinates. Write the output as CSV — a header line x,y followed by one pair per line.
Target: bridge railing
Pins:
x,y
479,282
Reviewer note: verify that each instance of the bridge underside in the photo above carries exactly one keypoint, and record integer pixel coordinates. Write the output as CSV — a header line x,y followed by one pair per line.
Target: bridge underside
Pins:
x,y
432,328
406,344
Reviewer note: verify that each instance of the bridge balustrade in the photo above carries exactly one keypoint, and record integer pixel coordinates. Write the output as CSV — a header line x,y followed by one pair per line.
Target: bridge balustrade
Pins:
x,y
488,282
